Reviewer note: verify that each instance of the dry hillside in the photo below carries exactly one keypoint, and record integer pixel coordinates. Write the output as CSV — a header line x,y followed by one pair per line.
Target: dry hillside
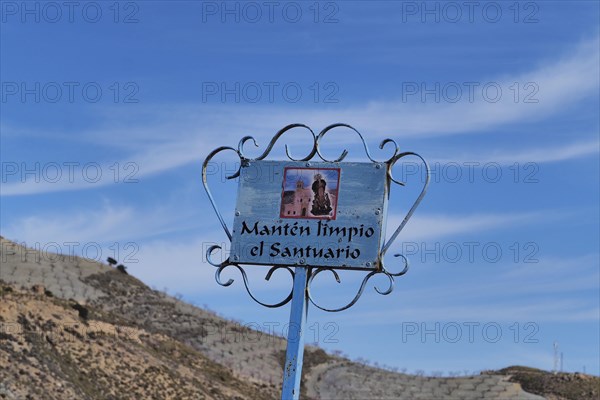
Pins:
x,y
74,328
57,349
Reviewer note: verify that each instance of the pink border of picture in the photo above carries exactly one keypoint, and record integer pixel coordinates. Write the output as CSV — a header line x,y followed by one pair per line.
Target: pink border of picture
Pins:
x,y
306,216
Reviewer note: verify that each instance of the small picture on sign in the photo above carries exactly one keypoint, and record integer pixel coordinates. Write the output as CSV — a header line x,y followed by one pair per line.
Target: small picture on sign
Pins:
x,y
310,193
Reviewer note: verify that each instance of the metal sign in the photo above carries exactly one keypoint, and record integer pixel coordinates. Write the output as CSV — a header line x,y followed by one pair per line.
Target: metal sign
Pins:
x,y
312,214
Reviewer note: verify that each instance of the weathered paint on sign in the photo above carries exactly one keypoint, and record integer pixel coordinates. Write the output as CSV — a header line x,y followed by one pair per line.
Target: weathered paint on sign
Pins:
x,y
314,214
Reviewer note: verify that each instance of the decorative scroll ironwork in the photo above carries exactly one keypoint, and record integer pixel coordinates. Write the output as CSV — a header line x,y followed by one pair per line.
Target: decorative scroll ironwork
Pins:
x,y
313,272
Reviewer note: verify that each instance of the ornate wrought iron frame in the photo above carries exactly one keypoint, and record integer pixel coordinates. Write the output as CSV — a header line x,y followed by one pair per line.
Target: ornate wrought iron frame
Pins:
x,y
313,272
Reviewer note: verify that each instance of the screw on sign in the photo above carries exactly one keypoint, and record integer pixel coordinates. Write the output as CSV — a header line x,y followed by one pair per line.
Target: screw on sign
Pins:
x,y
307,216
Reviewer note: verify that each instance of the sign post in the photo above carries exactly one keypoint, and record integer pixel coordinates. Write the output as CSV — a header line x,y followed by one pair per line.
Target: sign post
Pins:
x,y
292,370
313,215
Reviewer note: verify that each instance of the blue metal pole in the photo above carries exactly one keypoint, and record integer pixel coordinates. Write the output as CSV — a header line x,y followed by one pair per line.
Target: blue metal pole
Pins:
x,y
292,371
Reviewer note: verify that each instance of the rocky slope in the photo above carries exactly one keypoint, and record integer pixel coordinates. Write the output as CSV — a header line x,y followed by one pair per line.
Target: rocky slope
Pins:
x,y
57,349
554,386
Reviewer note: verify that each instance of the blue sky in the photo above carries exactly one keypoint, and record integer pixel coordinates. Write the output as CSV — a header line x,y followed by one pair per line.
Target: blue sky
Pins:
x,y
107,112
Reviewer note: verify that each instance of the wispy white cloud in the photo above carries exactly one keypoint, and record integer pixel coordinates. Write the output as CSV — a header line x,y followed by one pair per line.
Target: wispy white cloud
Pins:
x,y
182,265
545,276
538,310
549,291
177,135
432,226
104,226
146,161
561,82
567,151
179,266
